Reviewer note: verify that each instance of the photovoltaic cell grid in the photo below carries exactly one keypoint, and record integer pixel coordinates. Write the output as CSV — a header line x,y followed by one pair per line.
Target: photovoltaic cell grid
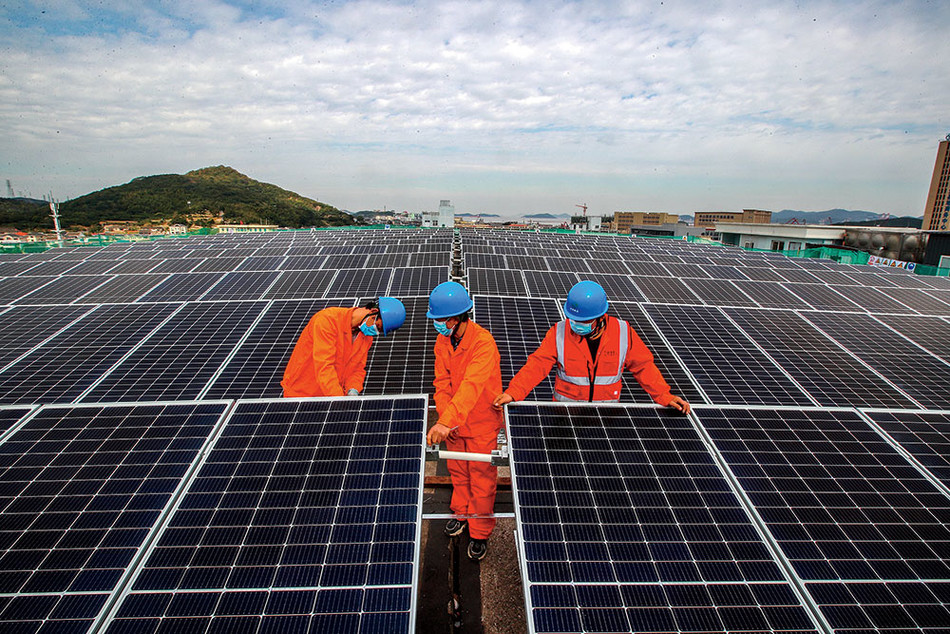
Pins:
x,y
832,376
518,325
305,514
403,362
61,369
726,364
179,359
672,370
866,530
921,375
22,328
258,364
80,490
625,523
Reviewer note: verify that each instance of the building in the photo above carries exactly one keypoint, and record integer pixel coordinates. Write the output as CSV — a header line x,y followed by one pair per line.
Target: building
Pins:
x,y
754,235
627,219
937,212
249,228
445,217
709,219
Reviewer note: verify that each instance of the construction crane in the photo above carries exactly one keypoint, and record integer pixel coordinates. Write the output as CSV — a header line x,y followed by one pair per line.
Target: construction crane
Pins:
x,y
583,208
794,221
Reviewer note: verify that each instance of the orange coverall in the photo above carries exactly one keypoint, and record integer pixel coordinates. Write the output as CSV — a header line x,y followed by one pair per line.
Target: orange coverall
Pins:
x,y
467,378
639,361
327,360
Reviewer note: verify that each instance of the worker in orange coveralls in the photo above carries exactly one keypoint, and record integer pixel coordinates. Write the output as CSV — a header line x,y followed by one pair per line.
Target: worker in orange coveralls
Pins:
x,y
330,356
467,378
591,350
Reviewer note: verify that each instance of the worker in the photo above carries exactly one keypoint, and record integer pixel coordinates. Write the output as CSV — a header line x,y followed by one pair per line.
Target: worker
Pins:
x,y
467,378
591,349
330,356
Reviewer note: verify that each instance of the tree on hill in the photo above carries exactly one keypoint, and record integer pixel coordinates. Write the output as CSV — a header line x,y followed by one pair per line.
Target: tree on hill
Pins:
x,y
212,191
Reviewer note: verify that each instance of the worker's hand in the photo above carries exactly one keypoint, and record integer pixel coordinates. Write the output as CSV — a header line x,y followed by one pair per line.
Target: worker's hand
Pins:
x,y
679,404
352,392
501,400
437,433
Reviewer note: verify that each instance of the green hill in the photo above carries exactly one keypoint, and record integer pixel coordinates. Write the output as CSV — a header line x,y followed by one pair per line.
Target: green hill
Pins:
x,y
25,214
211,192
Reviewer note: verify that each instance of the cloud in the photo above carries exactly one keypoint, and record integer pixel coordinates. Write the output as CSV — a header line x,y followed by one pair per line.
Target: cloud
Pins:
x,y
628,101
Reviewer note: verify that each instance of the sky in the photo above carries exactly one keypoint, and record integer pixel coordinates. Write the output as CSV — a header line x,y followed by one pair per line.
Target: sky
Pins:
x,y
502,106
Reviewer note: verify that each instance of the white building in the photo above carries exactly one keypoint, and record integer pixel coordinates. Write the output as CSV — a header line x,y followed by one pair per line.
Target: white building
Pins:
x,y
774,237
445,217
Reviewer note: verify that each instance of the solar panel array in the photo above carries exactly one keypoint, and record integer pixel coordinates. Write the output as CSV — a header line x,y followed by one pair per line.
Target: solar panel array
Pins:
x,y
151,481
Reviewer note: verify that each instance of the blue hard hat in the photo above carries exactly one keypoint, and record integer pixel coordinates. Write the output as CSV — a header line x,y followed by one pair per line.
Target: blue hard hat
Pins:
x,y
585,301
448,299
392,313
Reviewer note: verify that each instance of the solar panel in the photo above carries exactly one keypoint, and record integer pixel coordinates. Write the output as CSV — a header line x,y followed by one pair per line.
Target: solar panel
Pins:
x,y
526,262
134,267
665,290
182,287
181,357
915,371
924,434
496,282
770,294
303,263
261,263
762,274
92,267
569,264
554,284
218,265
175,266
64,366
823,297
403,362
617,287
613,267
305,514
391,260
718,292
919,300
242,285
122,288
22,328
822,367
417,280
625,523
725,363
50,268
360,282
518,325
873,300
724,272
62,290
653,269
81,489
434,258
300,285
681,270
853,516
928,332
350,261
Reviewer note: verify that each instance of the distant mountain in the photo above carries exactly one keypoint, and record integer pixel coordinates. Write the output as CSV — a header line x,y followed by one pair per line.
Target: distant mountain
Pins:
x,y
208,191
25,214
546,216
822,217
468,215
904,221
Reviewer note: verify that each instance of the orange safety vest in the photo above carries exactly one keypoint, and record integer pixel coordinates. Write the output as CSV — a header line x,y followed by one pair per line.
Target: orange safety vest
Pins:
x,y
327,360
580,378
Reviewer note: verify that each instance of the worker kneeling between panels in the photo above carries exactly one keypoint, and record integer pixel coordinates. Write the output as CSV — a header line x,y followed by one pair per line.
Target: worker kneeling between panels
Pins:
x,y
467,377
330,356
591,349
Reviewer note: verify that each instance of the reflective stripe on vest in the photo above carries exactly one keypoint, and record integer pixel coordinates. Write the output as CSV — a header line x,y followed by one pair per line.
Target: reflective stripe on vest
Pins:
x,y
623,345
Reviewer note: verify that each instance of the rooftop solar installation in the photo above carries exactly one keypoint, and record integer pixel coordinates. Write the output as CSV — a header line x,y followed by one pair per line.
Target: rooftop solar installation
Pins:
x,y
418,280
930,333
921,375
257,366
403,362
304,514
242,285
719,292
518,325
831,375
553,284
122,289
919,300
362,282
923,434
679,380
23,327
625,523
726,364
181,357
496,282
182,287
824,298
864,528
302,284
770,294
61,369
82,487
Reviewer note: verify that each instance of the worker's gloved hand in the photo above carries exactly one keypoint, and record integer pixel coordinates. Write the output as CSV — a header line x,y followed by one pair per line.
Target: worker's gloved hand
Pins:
x,y
352,392
501,400
679,404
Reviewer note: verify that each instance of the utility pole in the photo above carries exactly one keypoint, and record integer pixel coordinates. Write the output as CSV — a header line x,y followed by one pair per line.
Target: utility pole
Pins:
x,y
54,208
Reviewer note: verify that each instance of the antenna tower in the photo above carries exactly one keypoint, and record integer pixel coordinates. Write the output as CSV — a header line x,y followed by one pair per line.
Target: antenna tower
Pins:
x,y
54,209
10,189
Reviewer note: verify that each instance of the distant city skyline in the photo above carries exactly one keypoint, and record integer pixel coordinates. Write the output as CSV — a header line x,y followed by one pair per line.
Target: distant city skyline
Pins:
x,y
504,107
